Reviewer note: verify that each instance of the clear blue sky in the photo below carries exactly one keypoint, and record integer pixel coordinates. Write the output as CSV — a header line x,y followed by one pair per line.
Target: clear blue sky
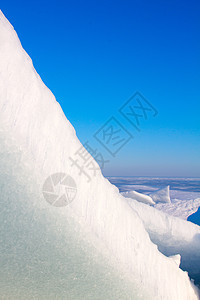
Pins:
x,y
94,55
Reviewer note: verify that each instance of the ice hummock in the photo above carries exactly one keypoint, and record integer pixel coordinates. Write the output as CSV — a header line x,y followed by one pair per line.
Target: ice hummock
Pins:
x,y
95,248
162,195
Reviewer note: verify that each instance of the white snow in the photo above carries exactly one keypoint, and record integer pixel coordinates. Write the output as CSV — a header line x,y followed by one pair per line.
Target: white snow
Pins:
x,y
139,197
162,195
97,247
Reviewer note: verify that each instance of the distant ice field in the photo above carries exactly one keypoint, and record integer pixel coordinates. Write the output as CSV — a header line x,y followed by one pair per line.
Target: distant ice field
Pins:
x,y
184,192
148,184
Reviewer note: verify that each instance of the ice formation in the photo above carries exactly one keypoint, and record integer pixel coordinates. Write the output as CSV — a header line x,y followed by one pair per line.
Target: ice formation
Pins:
x,y
97,247
161,195
173,236
138,197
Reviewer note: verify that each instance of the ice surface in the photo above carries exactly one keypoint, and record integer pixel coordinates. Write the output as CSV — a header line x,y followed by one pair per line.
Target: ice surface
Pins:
x,y
97,247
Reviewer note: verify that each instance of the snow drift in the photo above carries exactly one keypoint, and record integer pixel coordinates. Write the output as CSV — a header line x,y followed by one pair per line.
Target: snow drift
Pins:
x,y
97,247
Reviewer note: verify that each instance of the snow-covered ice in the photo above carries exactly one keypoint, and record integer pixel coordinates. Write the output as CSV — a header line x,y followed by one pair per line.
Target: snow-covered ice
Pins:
x,y
100,246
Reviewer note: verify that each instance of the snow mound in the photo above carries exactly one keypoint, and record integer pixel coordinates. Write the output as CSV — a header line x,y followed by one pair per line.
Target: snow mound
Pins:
x,y
161,195
97,247
139,197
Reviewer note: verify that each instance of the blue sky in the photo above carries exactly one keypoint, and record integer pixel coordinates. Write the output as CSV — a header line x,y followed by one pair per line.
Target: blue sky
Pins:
x,y
94,55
